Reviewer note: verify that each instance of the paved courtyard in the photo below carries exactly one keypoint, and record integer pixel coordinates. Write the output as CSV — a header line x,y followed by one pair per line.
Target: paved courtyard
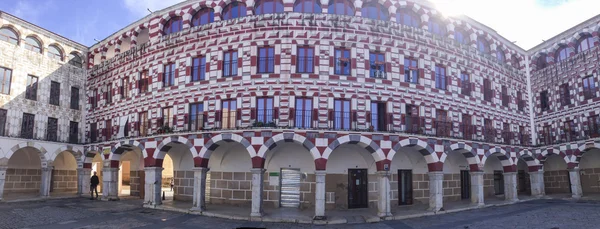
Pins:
x,y
84,213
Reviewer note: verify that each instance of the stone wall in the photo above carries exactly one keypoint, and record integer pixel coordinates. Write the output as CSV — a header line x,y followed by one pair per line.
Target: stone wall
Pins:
x,y
134,183
64,180
488,185
23,180
452,188
233,188
336,188
527,188
420,189
556,181
184,185
590,180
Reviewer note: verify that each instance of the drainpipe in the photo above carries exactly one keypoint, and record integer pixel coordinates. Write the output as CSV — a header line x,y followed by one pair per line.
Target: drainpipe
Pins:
x,y
530,96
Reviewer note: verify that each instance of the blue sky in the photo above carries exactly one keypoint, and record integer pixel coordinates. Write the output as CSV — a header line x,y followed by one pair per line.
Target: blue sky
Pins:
x,y
524,21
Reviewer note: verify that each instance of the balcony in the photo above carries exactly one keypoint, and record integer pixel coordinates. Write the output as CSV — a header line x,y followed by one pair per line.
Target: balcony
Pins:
x,y
489,134
443,129
377,70
467,131
508,137
341,120
414,125
265,118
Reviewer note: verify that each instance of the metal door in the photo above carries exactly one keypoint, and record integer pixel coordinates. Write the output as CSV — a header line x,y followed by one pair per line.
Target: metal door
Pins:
x,y
465,184
498,182
358,195
290,188
405,192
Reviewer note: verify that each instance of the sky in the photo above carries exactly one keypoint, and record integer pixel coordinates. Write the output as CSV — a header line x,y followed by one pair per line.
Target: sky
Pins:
x,y
528,22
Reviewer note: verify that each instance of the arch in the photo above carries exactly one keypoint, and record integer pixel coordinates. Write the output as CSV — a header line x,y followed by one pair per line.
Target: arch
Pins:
x,y
561,54
360,140
173,25
289,137
203,17
234,10
584,43
308,6
505,158
55,52
341,7
467,151
75,59
483,45
408,17
164,147
40,150
461,36
374,10
10,35
584,148
529,158
544,155
500,56
33,43
437,26
514,61
120,147
421,146
75,152
211,144
268,7
542,61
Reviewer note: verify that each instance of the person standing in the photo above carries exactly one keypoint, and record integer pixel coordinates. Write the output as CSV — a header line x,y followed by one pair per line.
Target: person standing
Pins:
x,y
172,183
94,181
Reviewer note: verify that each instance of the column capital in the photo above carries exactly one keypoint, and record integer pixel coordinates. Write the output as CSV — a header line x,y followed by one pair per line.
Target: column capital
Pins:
x,y
320,172
257,170
477,173
84,169
576,169
153,168
200,169
384,173
509,173
47,168
3,168
537,172
110,169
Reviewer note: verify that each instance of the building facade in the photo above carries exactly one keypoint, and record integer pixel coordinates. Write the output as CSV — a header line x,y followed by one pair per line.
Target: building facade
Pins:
x,y
334,105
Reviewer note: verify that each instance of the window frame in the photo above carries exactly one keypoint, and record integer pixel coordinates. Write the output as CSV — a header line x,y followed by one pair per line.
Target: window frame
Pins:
x,y
267,110
589,41
441,29
301,5
441,80
228,13
373,6
232,107
13,40
589,87
338,69
376,118
266,60
465,83
58,55
565,94
303,117
167,115
196,119
173,25
379,63
52,131
32,47
73,132
488,93
261,5
408,68
347,6
74,104
483,46
341,124
198,69
54,93
307,59
5,89
125,87
143,81
3,120
168,79
230,68
28,126
143,123
76,61
197,19
505,96
31,87
403,14
544,100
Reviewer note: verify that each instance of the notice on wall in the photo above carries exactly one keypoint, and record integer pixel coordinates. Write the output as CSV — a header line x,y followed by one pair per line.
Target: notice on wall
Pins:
x,y
274,179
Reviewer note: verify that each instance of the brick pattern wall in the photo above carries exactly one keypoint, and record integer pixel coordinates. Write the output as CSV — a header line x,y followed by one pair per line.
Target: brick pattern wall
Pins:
x,y
233,188
556,181
134,183
23,180
64,180
184,185
488,185
590,180
451,185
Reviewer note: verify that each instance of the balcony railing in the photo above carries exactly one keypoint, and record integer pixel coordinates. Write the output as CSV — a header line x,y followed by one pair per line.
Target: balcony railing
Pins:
x,y
230,68
467,131
508,137
524,139
305,65
265,118
443,128
303,118
340,120
489,134
414,125
266,65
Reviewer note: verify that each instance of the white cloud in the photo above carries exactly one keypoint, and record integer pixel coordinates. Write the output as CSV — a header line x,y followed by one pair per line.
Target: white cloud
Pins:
x,y
139,7
31,10
524,21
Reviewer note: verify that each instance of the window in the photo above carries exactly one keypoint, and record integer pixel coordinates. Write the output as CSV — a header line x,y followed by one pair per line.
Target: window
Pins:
x,y
377,62
565,97
229,114
544,100
109,129
547,136
569,131
374,10
94,99
143,123
196,117
489,132
266,60
124,87
483,46
500,56
144,81
5,79
109,93
521,102
33,44
506,133
198,69
440,77
466,127
589,87
411,71
169,75
505,96
515,62
304,60
443,126
75,60
487,90
73,132
341,116
465,84
230,66
54,93
269,7
409,18
342,62
436,27
541,62
378,116
203,17
93,132
9,35
593,125
3,118
264,110
460,36
52,130
303,113
167,117
412,120
341,7
27,126
31,89
585,43
234,10
561,54
308,6
75,98
55,53
174,25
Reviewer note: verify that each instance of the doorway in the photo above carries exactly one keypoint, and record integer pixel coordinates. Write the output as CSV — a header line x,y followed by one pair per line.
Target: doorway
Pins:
x,y
465,184
498,183
290,188
522,181
358,188
405,190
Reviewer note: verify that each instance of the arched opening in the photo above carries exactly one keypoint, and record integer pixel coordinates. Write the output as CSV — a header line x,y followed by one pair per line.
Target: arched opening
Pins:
x,y
461,36
97,167
523,178
131,168
561,54
308,6
23,175
556,175
483,46
9,35
75,59
493,177
143,36
110,53
374,10
203,17
409,18
64,174
229,179
515,61
585,43
55,52
410,178
457,177
234,10
500,56
542,61
33,44
351,170
340,7
173,25
590,171
268,7
178,172
437,27
290,172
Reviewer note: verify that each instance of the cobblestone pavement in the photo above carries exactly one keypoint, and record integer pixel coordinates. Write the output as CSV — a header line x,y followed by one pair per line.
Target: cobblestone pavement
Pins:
x,y
84,213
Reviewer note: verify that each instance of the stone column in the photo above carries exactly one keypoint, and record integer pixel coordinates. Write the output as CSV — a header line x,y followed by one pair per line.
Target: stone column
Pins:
x,y
257,191
200,189
436,191
477,188
46,181
152,187
2,179
510,186
537,183
575,183
83,181
320,195
384,193
110,186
